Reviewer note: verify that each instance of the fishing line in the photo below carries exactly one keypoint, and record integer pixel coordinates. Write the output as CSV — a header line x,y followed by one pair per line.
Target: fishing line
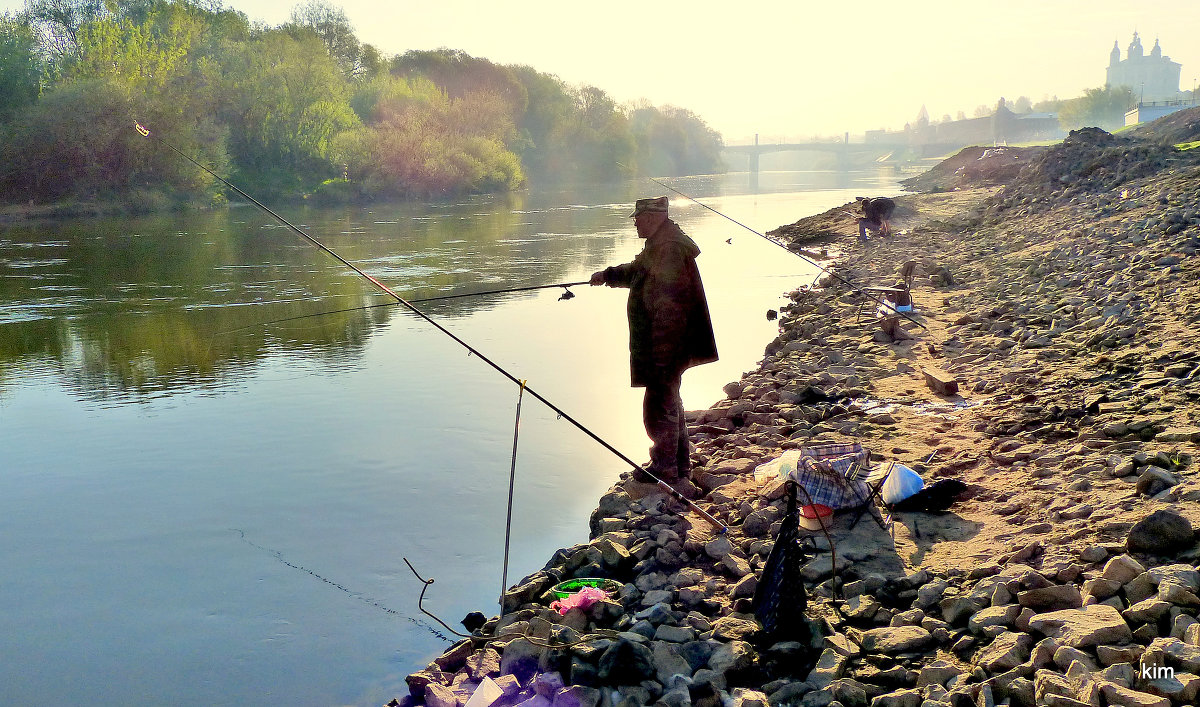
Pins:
x,y
882,299
272,322
364,599
663,485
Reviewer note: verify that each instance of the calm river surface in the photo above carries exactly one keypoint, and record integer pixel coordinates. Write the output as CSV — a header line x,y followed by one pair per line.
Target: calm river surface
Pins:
x,y
199,509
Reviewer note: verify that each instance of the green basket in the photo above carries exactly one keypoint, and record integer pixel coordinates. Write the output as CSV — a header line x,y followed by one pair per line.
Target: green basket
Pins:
x,y
562,590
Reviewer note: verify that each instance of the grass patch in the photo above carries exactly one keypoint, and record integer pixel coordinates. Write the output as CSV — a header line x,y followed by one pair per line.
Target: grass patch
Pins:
x,y
1187,145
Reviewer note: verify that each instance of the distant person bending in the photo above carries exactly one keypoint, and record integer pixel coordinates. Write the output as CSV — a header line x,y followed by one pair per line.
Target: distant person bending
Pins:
x,y
877,215
669,331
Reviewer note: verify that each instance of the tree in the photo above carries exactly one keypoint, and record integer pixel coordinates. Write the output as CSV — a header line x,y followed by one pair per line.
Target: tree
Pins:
x,y
285,101
459,73
332,28
79,141
59,22
674,141
1023,105
1098,107
146,53
20,66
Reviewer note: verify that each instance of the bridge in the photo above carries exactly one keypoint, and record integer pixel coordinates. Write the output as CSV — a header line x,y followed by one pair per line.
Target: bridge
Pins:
x,y
843,149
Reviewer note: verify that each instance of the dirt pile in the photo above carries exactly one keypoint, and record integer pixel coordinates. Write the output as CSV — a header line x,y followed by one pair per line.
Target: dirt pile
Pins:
x,y
974,167
1180,126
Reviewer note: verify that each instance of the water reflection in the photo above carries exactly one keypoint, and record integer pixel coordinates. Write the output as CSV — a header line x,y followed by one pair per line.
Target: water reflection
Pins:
x,y
134,306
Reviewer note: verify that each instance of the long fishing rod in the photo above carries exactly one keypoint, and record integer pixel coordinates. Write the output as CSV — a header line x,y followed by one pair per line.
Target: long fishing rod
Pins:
x,y
567,294
882,300
472,350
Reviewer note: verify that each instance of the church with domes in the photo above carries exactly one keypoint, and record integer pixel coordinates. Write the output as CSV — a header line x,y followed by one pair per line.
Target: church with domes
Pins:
x,y
1151,77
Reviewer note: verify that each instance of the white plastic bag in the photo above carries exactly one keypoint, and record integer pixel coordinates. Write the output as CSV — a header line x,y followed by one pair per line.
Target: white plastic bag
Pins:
x,y
901,483
778,468
484,695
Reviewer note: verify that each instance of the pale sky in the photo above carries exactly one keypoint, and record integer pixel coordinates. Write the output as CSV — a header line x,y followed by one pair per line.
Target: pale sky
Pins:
x,y
789,68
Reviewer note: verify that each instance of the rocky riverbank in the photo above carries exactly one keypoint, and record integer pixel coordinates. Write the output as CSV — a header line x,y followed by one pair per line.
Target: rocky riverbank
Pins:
x,y
1063,300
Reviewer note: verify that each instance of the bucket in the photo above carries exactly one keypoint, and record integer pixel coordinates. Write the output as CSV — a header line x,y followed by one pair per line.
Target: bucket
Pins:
x,y
815,517
562,590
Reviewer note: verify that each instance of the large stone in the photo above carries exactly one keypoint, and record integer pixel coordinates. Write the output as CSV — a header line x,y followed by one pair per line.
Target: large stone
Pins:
x,y
577,696
668,662
994,616
1006,652
1063,596
732,656
440,696
1182,433
900,698
729,628
1118,696
940,381
521,658
1162,532
1185,575
1122,569
626,663
719,547
1147,611
898,639
483,664
829,667
1179,655
1083,628
1181,687
937,673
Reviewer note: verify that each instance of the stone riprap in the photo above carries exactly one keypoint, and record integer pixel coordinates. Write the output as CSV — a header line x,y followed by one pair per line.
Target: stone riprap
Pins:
x,y
1066,306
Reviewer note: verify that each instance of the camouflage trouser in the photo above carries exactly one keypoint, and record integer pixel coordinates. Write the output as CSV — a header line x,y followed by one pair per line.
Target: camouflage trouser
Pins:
x,y
662,412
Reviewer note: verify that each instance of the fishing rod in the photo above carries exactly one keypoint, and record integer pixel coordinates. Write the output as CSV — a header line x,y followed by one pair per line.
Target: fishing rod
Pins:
x,y
567,294
667,488
882,300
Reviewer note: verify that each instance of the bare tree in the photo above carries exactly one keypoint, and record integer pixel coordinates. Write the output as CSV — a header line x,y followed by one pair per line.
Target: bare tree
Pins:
x,y
331,25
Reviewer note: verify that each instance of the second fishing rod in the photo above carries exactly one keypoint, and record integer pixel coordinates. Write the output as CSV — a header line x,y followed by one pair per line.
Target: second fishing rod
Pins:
x,y
667,488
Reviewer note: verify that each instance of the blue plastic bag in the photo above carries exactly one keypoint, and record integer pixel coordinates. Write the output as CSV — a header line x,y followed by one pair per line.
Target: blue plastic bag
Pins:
x,y
901,483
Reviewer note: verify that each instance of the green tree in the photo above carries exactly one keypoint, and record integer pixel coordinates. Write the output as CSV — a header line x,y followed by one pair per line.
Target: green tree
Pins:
x,y
20,66
459,74
674,141
284,101
544,127
421,142
1098,107
79,142
146,55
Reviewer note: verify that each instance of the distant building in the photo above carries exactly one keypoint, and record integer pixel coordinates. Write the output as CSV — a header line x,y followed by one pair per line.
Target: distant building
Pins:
x,y
1151,78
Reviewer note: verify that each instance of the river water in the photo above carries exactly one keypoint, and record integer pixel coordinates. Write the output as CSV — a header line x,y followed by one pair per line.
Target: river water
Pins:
x,y
197,508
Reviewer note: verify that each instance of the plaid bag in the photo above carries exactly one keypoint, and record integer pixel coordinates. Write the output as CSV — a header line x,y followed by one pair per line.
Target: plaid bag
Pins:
x,y
827,472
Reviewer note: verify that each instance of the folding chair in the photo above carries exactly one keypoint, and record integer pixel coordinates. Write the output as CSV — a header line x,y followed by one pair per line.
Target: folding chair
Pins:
x,y
873,478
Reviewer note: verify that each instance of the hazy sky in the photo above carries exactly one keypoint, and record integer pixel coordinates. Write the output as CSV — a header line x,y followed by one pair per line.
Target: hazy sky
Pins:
x,y
793,67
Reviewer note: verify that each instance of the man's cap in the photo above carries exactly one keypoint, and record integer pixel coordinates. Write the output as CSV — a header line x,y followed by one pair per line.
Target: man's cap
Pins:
x,y
656,205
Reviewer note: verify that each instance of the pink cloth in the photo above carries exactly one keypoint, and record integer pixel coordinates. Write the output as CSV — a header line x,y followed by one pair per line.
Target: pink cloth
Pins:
x,y
581,599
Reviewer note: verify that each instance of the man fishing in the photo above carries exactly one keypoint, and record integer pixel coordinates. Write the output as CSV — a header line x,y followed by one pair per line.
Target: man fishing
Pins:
x,y
669,331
